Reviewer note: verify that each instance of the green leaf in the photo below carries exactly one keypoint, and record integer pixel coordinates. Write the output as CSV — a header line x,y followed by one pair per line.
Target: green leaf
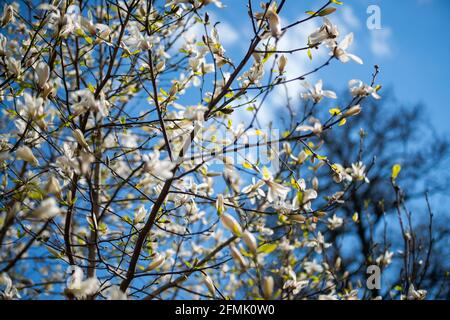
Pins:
x,y
267,248
395,171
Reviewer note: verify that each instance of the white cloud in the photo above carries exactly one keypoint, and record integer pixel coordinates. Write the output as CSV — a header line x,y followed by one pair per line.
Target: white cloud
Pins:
x,y
380,42
228,34
350,18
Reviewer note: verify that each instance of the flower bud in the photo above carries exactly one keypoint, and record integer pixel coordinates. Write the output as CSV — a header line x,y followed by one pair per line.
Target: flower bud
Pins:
x,y
315,183
158,260
353,111
238,256
209,284
231,224
27,155
42,74
53,186
8,15
250,241
267,287
219,204
274,22
282,64
79,137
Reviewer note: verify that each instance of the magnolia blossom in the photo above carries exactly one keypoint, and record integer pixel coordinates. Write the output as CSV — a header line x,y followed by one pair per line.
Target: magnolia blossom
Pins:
x,y
340,174
294,285
339,51
360,89
335,222
385,259
277,192
316,93
3,45
357,172
157,260
267,287
231,224
42,72
9,292
78,287
8,15
315,128
327,31
14,67
414,294
27,155
53,185
312,267
31,107
156,167
237,256
282,63
273,19
209,284
318,243
139,215
79,137
48,209
250,241
115,293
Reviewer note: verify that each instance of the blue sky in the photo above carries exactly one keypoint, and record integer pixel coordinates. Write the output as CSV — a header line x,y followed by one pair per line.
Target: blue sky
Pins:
x,y
411,47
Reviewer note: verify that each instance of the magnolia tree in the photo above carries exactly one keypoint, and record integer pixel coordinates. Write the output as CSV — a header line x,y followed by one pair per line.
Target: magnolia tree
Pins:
x,y
126,173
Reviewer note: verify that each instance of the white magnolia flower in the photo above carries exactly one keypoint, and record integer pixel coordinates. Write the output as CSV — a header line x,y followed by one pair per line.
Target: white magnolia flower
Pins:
x,y
3,45
27,155
312,267
315,127
277,192
8,15
318,243
316,93
274,22
303,199
14,67
79,137
139,215
114,293
385,259
357,172
339,51
327,31
78,287
48,209
31,107
8,292
218,3
414,294
340,174
353,111
293,285
360,89
335,222
53,185
156,167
